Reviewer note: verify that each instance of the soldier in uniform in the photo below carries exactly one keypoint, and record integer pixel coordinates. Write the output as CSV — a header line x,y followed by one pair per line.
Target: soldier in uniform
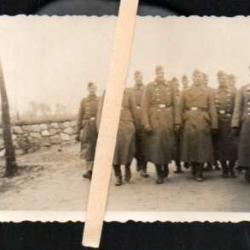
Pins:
x,y
140,133
209,166
175,85
241,126
232,81
199,119
185,85
160,118
125,140
225,143
86,128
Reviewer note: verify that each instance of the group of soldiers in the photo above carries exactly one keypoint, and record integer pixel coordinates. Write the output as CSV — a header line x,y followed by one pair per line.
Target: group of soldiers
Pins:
x,y
198,126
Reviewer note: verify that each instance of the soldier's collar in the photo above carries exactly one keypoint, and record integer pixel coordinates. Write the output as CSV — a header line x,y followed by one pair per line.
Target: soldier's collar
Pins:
x,y
139,86
198,86
226,88
161,82
91,96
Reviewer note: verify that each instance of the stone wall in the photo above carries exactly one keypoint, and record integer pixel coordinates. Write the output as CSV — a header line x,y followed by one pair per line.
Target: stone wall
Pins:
x,y
32,136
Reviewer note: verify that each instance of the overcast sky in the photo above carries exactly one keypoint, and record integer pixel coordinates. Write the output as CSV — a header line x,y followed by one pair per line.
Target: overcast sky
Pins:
x,y
52,59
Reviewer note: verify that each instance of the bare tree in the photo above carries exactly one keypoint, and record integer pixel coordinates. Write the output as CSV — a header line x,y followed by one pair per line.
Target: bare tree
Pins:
x,y
10,156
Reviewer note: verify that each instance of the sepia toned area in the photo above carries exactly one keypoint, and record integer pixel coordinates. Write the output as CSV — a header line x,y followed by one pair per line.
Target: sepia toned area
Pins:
x,y
177,147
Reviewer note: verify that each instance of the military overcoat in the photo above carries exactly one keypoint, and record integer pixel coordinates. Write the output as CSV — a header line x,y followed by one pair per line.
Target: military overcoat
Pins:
x,y
241,119
160,115
125,140
225,143
199,116
140,135
86,126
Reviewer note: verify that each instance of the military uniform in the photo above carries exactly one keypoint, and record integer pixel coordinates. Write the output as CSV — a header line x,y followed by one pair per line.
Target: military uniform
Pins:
x,y
86,128
177,159
140,132
199,117
225,143
241,120
125,140
160,115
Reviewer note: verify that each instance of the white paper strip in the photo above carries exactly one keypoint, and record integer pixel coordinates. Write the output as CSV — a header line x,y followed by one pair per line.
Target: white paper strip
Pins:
x,y
109,124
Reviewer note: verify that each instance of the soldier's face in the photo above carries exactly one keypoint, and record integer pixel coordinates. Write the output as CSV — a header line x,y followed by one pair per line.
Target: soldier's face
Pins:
x,y
138,78
198,78
92,90
222,79
160,75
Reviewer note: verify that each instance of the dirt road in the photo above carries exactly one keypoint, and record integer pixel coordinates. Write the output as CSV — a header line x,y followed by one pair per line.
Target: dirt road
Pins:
x,y
52,180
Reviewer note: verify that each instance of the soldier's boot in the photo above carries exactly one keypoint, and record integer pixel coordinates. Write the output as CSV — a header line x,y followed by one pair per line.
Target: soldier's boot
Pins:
x,y
143,171
128,174
118,175
187,165
193,170
160,178
207,166
165,171
138,167
224,169
199,172
87,175
216,166
178,168
232,169
247,175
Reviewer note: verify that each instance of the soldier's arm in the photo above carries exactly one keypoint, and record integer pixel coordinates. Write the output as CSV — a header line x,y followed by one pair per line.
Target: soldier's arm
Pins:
x,y
80,117
145,107
237,109
181,106
99,111
212,110
176,104
132,104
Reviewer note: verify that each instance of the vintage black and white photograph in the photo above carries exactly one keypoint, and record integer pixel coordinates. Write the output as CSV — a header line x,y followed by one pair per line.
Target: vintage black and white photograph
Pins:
x,y
183,141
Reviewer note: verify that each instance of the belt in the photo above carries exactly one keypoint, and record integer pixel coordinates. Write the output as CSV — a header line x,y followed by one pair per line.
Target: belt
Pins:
x,y
224,112
162,106
196,109
91,118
